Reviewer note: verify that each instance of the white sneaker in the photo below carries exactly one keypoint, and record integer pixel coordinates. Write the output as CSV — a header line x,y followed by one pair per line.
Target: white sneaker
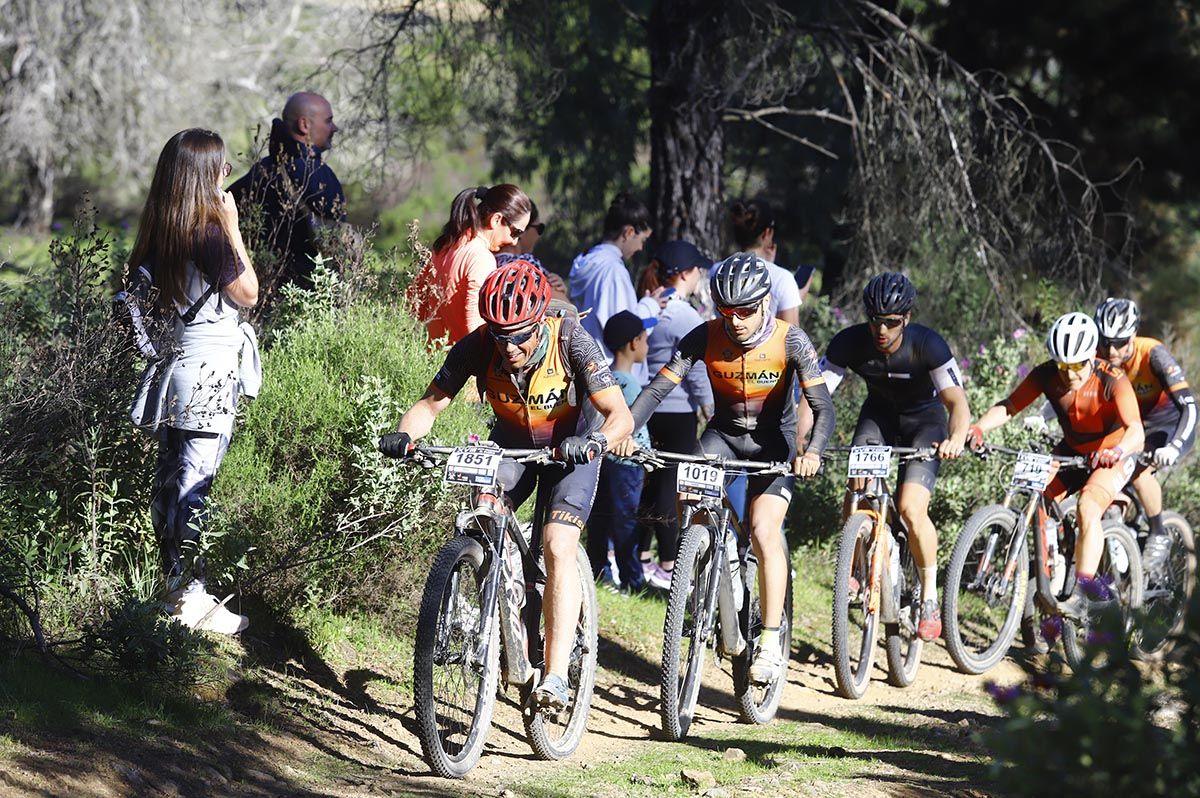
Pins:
x,y
767,666
196,608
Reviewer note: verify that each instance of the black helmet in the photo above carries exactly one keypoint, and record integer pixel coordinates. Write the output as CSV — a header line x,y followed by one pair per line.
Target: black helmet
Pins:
x,y
741,279
889,293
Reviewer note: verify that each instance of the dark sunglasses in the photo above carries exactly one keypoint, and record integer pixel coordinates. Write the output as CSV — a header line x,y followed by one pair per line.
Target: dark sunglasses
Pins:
x,y
540,227
516,339
887,322
1114,343
515,232
742,312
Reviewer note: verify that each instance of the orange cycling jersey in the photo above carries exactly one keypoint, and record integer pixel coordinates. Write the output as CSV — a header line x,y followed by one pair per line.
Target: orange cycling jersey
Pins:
x,y
542,403
1092,418
1153,373
753,388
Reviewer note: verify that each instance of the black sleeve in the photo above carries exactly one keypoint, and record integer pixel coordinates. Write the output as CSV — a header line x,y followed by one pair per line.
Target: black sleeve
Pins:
x,y
935,352
689,352
216,258
587,361
1170,376
802,357
466,359
841,347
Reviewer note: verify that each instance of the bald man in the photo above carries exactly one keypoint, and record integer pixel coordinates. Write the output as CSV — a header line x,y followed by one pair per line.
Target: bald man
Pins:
x,y
296,191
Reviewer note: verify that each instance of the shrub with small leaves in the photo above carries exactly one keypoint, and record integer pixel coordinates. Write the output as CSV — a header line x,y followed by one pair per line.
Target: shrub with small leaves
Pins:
x,y
137,639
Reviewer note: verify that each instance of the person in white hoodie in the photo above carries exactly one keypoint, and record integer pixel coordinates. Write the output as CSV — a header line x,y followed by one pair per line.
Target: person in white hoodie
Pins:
x,y
600,281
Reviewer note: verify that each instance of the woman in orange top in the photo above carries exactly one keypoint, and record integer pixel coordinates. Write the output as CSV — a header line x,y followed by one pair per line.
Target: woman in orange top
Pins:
x,y
445,294
1098,412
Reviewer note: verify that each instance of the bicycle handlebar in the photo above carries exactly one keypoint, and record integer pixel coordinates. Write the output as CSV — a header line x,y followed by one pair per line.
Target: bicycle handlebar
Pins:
x,y
431,453
657,459
903,452
1064,461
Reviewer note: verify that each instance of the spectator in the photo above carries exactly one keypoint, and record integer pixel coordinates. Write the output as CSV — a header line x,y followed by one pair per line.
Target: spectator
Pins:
x,y
296,191
524,247
600,280
679,267
445,294
614,512
754,232
188,240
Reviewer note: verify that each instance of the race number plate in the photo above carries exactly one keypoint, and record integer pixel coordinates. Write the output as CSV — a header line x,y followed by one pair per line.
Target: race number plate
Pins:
x,y
1032,471
869,461
698,479
473,465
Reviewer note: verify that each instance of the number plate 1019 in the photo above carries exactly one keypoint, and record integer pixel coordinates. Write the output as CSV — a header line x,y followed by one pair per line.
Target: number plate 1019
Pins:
x,y
698,479
473,465
869,461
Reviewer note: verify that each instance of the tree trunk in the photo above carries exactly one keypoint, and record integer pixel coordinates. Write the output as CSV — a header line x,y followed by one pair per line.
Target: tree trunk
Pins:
x,y
688,70
37,194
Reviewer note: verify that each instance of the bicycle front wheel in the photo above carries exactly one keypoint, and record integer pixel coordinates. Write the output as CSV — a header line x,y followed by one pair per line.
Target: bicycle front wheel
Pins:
x,y
684,638
758,703
454,681
983,603
1121,567
1166,599
903,645
855,625
557,735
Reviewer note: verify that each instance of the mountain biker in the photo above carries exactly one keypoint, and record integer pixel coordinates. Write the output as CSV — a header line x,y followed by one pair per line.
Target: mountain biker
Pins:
x,y
535,371
753,359
1166,405
912,380
1098,412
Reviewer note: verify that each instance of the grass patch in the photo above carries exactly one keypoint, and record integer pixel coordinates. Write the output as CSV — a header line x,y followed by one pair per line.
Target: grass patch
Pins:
x,y
362,644
34,697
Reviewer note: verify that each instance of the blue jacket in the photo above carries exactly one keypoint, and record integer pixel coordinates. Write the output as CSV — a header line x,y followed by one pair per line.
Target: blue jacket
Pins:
x,y
678,319
600,282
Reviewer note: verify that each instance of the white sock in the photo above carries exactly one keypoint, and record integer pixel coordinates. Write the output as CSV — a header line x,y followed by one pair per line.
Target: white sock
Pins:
x,y
929,583
768,638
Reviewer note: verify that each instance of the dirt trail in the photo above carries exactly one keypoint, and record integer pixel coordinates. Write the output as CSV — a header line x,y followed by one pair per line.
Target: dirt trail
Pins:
x,y
311,731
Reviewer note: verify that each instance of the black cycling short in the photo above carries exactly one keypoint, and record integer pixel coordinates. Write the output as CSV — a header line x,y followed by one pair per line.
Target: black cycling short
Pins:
x,y
759,444
572,489
883,426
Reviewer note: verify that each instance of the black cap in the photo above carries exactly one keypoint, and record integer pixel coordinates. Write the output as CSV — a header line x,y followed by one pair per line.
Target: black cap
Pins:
x,y
678,256
623,327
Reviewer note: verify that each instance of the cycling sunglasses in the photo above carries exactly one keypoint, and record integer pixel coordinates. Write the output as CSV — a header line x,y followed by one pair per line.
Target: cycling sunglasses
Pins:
x,y
515,339
1115,343
1076,367
744,312
887,322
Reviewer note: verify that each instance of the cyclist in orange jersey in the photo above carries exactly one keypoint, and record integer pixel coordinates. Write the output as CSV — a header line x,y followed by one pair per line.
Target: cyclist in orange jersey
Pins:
x,y
1098,412
1167,407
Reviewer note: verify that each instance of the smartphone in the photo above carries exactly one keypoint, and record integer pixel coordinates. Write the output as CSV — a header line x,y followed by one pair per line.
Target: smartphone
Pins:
x,y
666,293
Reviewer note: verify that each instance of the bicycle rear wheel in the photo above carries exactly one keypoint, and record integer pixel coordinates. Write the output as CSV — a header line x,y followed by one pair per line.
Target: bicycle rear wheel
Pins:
x,y
757,703
557,735
1121,565
454,688
983,604
855,627
903,645
1165,604
684,639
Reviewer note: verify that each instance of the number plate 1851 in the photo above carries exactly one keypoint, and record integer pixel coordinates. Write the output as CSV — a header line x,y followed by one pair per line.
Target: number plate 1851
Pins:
x,y
473,465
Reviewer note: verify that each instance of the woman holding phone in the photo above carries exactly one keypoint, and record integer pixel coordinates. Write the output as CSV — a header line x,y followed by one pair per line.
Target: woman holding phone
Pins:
x,y
188,240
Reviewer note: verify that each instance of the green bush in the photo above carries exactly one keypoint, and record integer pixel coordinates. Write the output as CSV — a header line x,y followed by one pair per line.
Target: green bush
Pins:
x,y
136,638
309,511
1113,727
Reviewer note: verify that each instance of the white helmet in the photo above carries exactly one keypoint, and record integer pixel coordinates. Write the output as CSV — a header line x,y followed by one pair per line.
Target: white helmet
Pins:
x,y
1118,318
1073,338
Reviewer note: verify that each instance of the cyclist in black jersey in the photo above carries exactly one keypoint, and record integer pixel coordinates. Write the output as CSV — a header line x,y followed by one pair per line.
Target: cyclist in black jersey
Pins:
x,y
912,379
753,361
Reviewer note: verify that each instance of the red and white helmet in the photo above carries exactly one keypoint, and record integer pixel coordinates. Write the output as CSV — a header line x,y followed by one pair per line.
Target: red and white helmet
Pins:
x,y
514,295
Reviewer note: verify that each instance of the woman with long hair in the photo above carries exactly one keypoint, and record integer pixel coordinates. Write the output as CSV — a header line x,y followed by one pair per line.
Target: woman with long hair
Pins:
x,y
754,232
188,240
445,294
